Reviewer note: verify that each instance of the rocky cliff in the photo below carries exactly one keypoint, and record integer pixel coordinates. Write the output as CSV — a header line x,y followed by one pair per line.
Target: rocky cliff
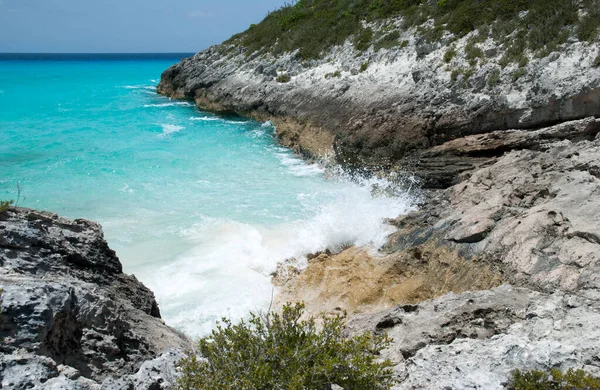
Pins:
x,y
70,317
499,268
390,106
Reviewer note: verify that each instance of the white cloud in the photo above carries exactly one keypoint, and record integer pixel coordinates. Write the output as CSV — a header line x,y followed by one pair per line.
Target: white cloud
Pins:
x,y
197,14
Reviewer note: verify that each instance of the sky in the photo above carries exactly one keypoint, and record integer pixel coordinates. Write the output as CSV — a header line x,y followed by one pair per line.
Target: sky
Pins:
x,y
124,26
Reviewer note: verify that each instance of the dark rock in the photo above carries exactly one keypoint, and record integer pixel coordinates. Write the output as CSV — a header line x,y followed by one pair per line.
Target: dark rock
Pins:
x,y
66,303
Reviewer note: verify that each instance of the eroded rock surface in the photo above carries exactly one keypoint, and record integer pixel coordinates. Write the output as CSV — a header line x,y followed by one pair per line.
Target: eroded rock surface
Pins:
x,y
404,103
474,340
70,317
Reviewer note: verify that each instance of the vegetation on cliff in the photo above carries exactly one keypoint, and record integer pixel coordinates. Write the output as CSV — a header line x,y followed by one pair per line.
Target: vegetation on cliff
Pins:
x,y
283,351
313,26
5,204
553,380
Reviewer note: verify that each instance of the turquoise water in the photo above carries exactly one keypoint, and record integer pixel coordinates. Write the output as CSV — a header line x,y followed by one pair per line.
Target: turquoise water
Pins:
x,y
199,207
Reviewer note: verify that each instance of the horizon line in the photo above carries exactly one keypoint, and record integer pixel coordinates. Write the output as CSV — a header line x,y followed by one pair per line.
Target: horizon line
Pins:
x,y
105,52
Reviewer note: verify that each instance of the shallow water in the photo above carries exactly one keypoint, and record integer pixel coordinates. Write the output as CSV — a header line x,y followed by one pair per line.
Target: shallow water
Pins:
x,y
199,207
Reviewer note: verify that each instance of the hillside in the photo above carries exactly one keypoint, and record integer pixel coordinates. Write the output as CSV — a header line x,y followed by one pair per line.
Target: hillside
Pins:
x,y
379,83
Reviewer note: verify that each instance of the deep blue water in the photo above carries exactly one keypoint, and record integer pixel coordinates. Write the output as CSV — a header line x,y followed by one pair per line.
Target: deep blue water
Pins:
x,y
199,207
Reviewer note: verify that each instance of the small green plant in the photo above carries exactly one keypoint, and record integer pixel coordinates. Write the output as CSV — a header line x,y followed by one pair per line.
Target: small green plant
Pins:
x,y
283,351
523,62
454,75
449,55
388,41
494,78
517,74
283,78
363,39
5,204
404,44
596,62
364,66
472,51
553,380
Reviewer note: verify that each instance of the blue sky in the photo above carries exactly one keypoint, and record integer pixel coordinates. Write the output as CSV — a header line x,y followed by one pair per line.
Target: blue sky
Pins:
x,y
93,26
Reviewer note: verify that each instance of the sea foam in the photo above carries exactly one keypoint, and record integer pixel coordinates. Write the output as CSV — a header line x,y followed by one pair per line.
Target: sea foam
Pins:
x,y
228,272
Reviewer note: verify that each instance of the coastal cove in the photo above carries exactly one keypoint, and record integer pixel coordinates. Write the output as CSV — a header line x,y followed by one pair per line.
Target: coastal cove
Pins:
x,y
201,208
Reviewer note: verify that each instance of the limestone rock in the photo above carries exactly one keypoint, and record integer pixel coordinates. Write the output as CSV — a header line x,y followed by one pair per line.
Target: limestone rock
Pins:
x,y
474,340
70,317
402,106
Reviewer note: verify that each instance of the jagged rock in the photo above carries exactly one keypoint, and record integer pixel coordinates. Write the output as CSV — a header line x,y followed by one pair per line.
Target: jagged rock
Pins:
x,y
534,213
474,340
70,317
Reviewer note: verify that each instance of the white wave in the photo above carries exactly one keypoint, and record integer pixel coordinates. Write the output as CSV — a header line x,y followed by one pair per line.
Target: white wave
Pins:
x,y
203,118
169,129
138,87
154,81
298,167
171,104
228,272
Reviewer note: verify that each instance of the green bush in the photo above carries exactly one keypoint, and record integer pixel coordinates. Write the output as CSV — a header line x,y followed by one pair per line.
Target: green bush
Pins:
x,y
449,55
283,351
5,204
364,66
283,78
313,26
494,78
553,380
388,41
363,39
517,74
596,62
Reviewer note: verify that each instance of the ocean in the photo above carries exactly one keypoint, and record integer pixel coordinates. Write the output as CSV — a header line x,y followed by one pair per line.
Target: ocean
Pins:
x,y
199,207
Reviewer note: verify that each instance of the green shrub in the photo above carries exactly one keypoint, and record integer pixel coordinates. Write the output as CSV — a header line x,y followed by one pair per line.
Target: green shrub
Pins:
x,y
313,26
454,75
404,44
449,55
388,41
472,51
553,380
589,25
283,351
364,66
363,39
5,204
517,74
283,78
596,62
494,78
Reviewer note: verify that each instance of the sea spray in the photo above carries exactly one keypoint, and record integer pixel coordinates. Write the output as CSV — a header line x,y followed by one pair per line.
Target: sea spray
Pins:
x,y
199,207
227,274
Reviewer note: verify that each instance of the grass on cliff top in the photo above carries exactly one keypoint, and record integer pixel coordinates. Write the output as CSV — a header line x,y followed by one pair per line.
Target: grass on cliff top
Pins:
x,y
284,351
313,26
553,380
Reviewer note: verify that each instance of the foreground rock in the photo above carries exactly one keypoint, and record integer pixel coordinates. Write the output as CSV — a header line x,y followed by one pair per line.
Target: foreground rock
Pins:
x,y
70,317
530,218
474,340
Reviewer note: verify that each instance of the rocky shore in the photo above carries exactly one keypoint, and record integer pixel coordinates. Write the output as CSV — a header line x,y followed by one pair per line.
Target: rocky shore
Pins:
x,y
397,108
499,268
70,318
